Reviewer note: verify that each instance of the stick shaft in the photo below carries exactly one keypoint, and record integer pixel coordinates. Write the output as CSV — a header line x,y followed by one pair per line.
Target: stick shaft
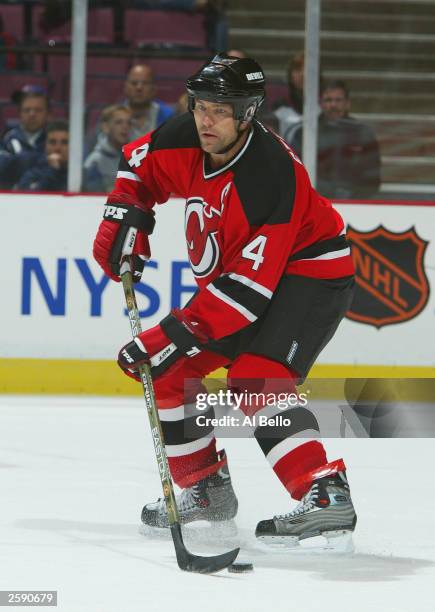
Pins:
x,y
150,402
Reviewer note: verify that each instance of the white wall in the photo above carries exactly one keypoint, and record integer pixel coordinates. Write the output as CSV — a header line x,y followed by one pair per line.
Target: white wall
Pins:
x,y
52,233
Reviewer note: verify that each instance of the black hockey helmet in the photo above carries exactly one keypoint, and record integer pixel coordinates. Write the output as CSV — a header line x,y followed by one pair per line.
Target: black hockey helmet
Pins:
x,y
230,80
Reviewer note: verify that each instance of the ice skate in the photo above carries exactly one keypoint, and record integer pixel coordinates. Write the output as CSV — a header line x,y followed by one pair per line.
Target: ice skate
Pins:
x,y
326,510
211,499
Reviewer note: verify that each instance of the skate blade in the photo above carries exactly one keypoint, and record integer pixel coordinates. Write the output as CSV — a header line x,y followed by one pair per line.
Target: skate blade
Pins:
x,y
196,531
333,542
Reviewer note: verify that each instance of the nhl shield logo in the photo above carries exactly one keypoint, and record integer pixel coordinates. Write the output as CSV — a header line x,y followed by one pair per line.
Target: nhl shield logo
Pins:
x,y
391,285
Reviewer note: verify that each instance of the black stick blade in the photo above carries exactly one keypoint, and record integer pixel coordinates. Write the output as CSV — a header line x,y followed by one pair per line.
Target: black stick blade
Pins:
x,y
194,563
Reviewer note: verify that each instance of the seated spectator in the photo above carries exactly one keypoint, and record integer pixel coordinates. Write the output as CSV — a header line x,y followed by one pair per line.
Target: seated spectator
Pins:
x,y
101,165
288,111
51,173
147,112
22,146
348,160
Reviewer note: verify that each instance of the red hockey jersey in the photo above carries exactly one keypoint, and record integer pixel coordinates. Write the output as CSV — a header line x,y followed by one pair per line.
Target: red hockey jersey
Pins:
x,y
247,223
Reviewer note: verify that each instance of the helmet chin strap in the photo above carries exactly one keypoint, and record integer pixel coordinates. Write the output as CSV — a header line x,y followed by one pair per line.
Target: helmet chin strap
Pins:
x,y
232,144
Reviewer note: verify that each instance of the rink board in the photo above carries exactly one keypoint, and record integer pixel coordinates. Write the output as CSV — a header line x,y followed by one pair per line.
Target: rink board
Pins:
x,y
62,321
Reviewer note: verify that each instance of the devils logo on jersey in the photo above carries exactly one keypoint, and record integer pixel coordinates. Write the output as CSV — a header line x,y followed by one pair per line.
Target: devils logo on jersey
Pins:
x,y
391,284
201,227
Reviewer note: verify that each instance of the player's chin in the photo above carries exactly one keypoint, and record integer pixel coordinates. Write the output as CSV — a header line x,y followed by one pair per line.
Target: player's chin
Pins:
x,y
209,147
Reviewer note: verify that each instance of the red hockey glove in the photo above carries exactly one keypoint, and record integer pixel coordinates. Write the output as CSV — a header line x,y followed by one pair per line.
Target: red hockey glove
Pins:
x,y
120,214
162,345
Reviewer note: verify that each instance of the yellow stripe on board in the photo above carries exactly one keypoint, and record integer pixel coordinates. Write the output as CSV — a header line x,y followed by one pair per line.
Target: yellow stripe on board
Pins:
x,y
101,377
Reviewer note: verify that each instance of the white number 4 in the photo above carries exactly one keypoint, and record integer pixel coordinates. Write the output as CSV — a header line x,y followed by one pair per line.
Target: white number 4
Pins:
x,y
254,250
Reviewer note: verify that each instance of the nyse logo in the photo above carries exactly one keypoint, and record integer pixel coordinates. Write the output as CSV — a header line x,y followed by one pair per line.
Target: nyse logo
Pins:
x,y
55,285
391,284
115,212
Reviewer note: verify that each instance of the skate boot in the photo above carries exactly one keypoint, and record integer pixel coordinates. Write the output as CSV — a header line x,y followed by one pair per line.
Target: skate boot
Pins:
x,y
211,499
326,510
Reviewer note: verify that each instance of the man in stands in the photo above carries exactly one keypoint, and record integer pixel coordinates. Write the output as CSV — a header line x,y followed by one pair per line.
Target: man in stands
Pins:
x,y
51,172
23,146
348,159
275,278
102,163
147,113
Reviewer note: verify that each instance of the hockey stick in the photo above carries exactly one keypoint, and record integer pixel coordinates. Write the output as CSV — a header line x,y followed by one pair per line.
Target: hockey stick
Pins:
x,y
186,560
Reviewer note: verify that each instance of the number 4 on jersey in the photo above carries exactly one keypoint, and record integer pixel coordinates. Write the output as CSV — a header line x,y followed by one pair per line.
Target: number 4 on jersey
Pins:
x,y
254,250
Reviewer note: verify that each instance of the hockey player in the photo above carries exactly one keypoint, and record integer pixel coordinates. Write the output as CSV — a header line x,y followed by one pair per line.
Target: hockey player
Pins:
x,y
275,278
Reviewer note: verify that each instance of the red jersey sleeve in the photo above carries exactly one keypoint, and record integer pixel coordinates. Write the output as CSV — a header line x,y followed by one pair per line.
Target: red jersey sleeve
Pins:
x,y
154,166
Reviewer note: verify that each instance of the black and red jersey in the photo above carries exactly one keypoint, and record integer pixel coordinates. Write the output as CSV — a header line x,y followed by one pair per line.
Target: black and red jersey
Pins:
x,y
247,223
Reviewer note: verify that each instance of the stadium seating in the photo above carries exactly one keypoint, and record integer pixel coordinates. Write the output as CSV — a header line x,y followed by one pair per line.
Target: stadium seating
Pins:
x,y
100,28
14,80
164,68
59,65
13,19
164,28
275,90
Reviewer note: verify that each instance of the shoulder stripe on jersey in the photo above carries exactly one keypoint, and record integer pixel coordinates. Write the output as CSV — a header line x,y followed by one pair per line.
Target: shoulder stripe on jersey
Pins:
x,y
250,283
128,175
228,300
338,243
253,300
330,255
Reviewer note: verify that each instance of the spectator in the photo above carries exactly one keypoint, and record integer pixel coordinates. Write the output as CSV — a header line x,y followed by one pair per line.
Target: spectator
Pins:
x,y
101,164
147,112
288,111
51,173
22,146
348,160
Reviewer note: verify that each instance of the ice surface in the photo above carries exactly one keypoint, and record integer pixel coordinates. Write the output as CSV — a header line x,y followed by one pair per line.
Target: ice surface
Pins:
x,y
75,473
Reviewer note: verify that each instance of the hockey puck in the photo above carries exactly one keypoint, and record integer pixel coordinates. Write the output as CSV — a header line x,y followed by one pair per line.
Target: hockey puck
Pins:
x,y
239,568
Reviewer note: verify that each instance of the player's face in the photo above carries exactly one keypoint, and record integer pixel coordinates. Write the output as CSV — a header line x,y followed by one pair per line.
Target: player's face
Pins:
x,y
33,114
216,125
334,104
